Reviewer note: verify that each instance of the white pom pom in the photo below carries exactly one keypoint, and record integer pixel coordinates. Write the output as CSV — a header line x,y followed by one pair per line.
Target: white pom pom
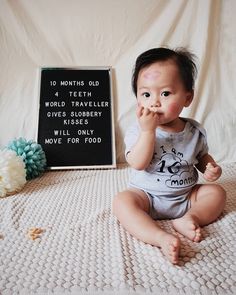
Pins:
x,y
12,172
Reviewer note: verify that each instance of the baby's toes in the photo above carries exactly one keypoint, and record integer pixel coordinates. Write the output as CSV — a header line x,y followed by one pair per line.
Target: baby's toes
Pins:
x,y
198,235
174,251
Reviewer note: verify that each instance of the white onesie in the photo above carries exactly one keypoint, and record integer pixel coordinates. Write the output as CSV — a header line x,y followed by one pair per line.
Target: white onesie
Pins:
x,y
171,175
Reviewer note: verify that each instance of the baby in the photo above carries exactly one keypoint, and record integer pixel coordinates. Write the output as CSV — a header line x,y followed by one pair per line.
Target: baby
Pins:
x,y
166,152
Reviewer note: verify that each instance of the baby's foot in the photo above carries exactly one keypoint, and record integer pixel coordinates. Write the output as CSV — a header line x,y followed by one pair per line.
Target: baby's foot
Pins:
x,y
170,247
188,226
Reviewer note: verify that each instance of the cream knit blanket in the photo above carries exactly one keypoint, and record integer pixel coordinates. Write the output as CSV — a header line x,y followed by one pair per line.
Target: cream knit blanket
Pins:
x,y
83,248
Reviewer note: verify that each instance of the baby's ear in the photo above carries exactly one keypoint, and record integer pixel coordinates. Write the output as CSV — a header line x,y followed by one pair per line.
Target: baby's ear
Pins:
x,y
189,98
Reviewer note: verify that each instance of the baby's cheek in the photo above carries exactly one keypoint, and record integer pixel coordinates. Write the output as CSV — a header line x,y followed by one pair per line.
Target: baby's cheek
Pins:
x,y
174,108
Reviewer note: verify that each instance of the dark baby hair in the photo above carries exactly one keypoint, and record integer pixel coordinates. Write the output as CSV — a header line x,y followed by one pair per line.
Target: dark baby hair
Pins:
x,y
182,57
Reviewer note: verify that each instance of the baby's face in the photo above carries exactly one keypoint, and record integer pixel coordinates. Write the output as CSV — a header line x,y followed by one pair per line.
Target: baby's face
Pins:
x,y
160,89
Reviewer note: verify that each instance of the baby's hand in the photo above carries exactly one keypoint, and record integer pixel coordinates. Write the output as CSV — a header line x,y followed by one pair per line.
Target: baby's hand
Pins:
x,y
212,172
148,120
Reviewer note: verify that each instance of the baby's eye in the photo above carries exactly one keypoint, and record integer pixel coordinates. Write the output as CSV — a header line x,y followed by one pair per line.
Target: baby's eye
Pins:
x,y
146,94
165,93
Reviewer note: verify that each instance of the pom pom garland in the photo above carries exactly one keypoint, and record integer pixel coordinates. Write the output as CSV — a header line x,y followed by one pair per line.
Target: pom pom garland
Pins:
x,y
12,173
32,155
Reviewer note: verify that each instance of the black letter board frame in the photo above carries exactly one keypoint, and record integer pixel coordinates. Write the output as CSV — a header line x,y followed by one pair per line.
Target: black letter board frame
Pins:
x,y
93,146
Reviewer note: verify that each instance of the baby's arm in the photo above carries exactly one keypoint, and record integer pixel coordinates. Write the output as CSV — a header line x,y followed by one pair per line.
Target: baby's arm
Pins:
x,y
210,169
141,153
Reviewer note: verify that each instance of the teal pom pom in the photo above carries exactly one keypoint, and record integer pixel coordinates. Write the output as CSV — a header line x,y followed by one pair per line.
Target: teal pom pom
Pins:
x,y
32,155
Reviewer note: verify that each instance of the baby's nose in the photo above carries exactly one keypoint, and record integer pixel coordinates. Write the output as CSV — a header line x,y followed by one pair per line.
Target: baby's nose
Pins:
x,y
156,104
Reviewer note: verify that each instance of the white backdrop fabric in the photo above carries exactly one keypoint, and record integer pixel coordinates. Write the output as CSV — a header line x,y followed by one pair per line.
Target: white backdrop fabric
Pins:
x,y
113,33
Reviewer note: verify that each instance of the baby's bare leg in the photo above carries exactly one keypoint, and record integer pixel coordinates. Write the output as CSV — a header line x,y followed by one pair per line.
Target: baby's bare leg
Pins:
x,y
131,208
207,203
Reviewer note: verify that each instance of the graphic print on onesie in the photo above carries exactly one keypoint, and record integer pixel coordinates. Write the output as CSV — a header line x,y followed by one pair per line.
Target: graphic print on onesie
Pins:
x,y
173,170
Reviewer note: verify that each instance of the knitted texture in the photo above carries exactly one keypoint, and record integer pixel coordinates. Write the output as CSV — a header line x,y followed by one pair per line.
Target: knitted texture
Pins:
x,y
32,155
83,248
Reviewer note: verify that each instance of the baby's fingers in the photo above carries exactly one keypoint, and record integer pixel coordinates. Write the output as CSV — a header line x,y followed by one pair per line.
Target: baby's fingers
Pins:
x,y
213,168
210,166
212,172
139,111
209,174
146,112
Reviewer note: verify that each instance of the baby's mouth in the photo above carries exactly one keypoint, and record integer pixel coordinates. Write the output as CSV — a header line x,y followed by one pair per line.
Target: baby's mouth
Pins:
x,y
155,110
